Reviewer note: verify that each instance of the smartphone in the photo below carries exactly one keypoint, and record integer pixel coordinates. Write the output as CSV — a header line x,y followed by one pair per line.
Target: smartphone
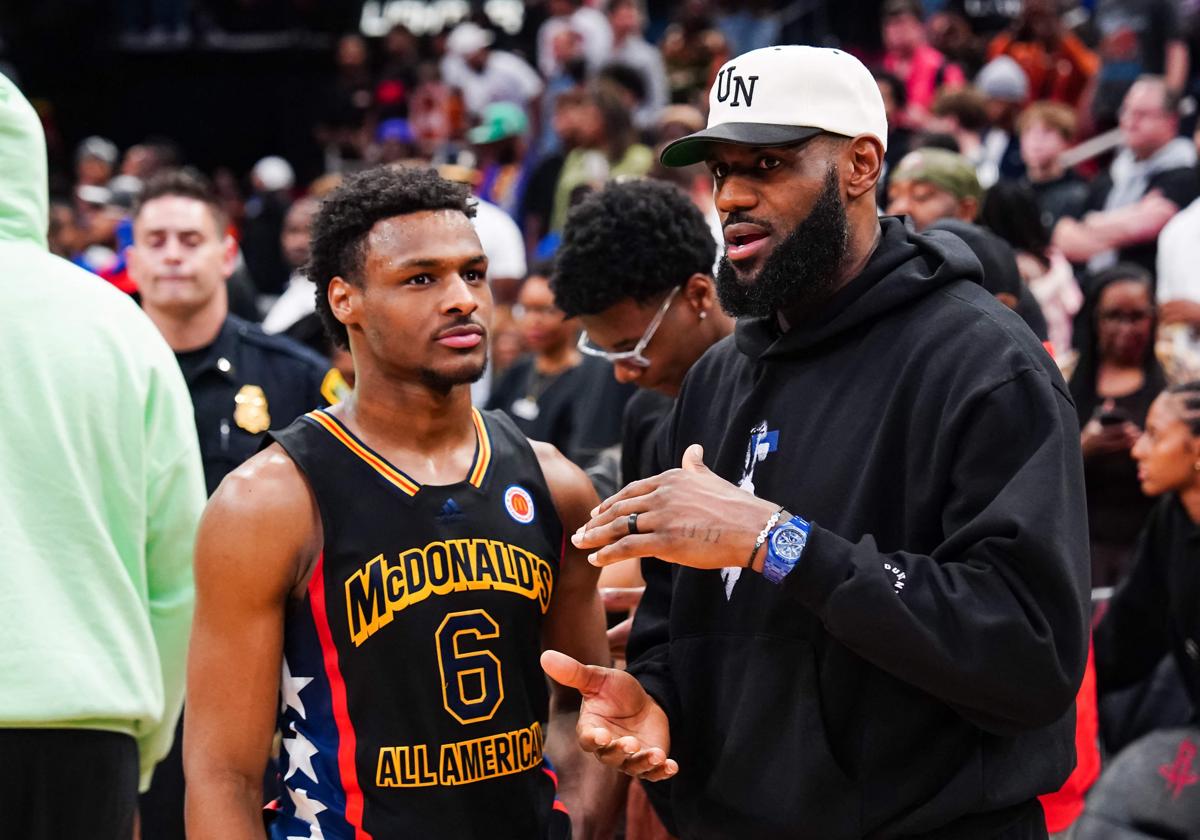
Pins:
x,y
1113,417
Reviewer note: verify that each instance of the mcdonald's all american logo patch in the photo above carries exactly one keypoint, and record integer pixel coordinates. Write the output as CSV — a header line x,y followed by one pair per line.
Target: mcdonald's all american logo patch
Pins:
x,y
519,504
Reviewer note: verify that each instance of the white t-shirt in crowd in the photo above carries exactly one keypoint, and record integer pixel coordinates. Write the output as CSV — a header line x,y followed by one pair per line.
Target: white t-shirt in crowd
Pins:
x,y
1179,256
501,240
298,299
505,78
595,33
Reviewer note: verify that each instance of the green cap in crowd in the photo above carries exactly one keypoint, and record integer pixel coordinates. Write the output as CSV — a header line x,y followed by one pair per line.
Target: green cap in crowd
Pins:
x,y
944,169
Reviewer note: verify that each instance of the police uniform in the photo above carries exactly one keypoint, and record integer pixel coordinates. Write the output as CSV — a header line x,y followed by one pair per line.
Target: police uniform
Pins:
x,y
246,382
412,702
243,383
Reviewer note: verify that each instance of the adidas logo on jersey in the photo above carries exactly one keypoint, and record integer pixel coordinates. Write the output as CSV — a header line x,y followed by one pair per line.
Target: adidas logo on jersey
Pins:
x,y
450,512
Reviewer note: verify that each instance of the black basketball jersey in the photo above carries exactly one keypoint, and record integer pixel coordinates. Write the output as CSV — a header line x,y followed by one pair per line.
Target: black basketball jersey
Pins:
x,y
412,701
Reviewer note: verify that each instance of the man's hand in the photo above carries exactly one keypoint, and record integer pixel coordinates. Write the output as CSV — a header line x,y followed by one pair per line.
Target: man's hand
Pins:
x,y
1179,312
619,722
690,516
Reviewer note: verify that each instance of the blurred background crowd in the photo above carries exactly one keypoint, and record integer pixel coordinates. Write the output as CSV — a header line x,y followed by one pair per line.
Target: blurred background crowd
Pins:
x,y
1059,137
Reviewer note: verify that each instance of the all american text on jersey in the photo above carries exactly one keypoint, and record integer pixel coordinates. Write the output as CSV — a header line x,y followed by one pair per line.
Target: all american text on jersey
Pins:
x,y
462,762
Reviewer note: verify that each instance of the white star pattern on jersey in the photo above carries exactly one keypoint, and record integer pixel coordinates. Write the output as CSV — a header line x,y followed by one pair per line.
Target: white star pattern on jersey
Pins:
x,y
307,810
290,687
316,834
300,752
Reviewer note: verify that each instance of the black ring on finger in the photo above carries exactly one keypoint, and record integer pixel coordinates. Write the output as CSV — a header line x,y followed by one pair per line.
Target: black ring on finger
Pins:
x,y
633,528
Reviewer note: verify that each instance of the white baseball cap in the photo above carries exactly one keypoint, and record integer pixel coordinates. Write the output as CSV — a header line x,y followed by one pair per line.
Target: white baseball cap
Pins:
x,y
776,96
468,38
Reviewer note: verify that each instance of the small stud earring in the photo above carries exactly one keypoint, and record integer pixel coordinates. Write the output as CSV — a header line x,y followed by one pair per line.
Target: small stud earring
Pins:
x,y
1196,466
704,314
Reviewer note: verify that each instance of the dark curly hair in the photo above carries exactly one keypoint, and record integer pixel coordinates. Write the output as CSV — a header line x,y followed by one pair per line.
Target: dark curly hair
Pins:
x,y
633,239
349,212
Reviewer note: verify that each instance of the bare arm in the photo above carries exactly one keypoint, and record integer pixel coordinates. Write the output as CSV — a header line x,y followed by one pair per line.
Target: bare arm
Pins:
x,y
258,531
1176,66
1140,222
575,625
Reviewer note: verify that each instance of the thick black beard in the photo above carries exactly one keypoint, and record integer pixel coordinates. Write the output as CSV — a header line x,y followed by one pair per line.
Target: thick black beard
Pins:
x,y
441,382
802,272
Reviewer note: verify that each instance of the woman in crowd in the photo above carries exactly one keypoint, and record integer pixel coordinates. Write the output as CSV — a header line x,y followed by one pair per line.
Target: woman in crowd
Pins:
x,y
1157,611
1010,210
555,393
1115,381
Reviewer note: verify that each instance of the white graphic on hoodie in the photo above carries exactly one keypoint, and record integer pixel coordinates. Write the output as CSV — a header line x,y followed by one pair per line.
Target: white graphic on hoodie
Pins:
x,y
762,443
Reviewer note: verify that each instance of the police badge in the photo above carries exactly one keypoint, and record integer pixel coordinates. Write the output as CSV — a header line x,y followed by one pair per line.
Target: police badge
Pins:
x,y
250,410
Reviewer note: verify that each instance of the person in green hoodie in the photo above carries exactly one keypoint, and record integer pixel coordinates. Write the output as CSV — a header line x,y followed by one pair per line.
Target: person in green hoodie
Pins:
x,y
101,490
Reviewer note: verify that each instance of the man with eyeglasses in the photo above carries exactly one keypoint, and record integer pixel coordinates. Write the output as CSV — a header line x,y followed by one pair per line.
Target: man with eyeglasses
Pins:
x,y
555,393
635,267
876,620
1152,177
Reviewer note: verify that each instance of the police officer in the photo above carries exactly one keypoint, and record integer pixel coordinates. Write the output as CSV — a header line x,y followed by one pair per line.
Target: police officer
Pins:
x,y
242,381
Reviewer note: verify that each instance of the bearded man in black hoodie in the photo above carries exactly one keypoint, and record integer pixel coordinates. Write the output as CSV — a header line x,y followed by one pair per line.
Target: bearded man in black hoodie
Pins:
x,y
876,621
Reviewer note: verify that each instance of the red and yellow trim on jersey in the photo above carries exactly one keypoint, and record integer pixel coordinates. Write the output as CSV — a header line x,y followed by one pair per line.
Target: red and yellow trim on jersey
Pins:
x,y
393,475
483,456
483,452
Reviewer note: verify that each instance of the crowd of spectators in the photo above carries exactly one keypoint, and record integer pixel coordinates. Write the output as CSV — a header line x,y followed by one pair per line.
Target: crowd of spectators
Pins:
x,y
1056,138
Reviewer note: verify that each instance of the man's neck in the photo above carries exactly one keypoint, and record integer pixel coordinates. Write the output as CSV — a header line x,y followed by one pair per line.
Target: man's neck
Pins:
x,y
1146,155
1040,175
408,417
861,248
191,330
557,360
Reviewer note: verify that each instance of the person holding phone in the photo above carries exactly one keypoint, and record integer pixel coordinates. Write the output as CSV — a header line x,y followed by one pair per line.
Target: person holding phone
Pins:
x,y
1115,381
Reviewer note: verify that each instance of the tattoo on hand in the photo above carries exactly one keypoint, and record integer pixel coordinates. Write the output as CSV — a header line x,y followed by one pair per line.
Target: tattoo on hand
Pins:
x,y
708,535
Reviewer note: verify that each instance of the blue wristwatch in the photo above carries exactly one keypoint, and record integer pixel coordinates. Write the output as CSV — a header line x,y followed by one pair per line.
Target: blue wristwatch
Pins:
x,y
784,547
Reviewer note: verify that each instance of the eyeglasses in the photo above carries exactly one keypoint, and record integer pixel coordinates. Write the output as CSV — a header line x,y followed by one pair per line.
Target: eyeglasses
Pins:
x,y
630,357
1120,316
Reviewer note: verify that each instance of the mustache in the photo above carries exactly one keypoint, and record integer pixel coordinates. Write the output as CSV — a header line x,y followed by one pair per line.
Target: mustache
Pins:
x,y
465,321
742,218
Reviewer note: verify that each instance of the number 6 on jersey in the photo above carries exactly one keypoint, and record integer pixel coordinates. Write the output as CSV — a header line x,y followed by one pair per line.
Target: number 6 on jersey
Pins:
x,y
472,681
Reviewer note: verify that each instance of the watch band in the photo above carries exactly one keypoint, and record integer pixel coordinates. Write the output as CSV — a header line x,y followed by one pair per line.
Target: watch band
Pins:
x,y
785,547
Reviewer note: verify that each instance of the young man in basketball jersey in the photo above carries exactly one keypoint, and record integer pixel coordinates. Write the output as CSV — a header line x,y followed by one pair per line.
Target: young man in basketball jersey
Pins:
x,y
399,559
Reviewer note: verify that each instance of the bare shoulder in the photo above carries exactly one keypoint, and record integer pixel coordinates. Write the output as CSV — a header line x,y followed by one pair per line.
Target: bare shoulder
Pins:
x,y
572,490
263,513
269,483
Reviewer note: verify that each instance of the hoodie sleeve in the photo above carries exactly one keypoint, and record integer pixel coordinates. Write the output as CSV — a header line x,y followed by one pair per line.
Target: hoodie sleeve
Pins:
x,y
175,499
1133,635
994,621
648,650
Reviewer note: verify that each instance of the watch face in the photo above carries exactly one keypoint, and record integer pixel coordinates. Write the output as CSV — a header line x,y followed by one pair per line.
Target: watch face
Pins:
x,y
788,542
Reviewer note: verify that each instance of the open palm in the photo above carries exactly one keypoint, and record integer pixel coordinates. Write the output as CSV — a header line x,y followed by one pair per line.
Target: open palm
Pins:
x,y
618,722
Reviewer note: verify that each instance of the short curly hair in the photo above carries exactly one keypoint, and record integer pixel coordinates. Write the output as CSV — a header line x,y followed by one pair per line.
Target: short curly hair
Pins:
x,y
349,212
633,239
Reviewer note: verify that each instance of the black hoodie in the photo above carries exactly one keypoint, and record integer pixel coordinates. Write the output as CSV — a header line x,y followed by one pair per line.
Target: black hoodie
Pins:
x,y
914,675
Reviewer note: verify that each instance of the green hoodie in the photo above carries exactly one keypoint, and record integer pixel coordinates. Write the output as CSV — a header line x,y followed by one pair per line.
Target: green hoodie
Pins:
x,y
100,483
